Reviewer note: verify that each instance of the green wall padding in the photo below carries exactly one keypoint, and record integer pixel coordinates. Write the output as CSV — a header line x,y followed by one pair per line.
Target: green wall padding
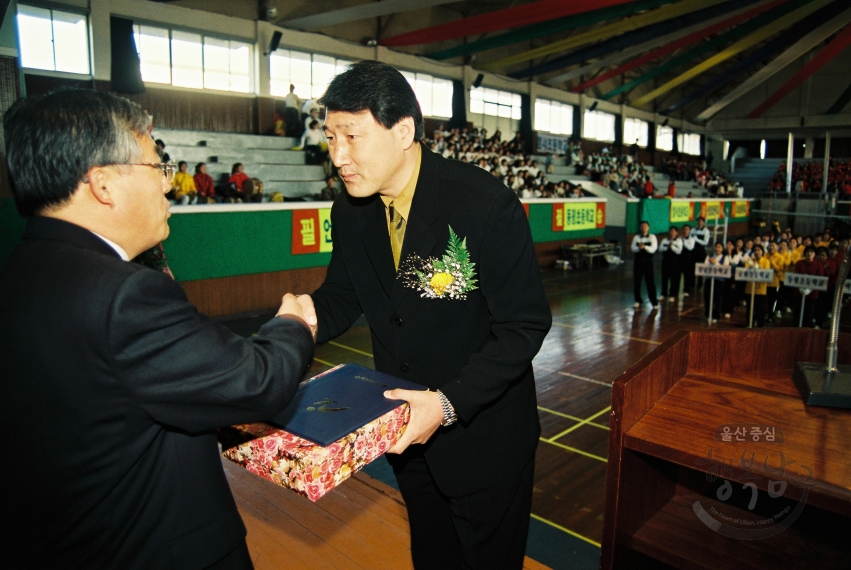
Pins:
x,y
541,224
204,246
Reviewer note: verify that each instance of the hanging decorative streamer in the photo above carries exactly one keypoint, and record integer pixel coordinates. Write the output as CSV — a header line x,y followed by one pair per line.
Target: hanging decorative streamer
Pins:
x,y
550,27
500,20
630,51
653,17
710,46
773,67
686,41
598,49
776,45
736,48
829,51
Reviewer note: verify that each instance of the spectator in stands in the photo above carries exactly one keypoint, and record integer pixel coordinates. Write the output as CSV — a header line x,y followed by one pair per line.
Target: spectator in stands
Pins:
x,y
314,144
808,266
204,184
292,113
330,192
240,184
164,157
183,185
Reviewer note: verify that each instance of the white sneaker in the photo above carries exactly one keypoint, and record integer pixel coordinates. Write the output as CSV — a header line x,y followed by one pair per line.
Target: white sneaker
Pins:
x,y
661,298
672,299
685,294
713,321
726,315
778,314
788,309
637,305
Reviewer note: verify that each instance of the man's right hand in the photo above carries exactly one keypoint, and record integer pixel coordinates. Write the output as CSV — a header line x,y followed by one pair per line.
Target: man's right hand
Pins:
x,y
300,306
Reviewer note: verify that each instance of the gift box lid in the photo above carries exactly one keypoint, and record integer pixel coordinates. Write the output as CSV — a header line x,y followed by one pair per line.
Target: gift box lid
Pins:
x,y
334,404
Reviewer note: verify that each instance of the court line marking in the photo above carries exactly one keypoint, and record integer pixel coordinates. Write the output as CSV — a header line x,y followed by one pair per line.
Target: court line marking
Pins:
x,y
568,416
580,424
331,342
616,335
320,361
600,382
574,450
565,530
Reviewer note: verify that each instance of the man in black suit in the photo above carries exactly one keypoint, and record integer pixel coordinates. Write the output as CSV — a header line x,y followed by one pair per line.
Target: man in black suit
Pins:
x,y
468,332
112,383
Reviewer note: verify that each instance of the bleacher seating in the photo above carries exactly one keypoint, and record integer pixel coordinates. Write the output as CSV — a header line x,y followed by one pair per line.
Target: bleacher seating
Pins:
x,y
268,158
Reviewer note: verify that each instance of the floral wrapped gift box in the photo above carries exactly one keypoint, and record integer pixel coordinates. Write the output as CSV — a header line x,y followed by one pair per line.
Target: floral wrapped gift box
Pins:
x,y
310,469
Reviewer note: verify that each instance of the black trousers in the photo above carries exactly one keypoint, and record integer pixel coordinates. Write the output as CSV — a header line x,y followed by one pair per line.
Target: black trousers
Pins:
x,y
643,269
717,297
670,277
688,261
486,530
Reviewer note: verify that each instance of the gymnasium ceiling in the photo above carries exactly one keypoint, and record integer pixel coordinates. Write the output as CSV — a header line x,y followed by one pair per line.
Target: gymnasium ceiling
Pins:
x,y
683,58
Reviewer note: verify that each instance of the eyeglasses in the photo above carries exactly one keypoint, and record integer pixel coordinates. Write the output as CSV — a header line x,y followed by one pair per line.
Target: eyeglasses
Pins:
x,y
166,168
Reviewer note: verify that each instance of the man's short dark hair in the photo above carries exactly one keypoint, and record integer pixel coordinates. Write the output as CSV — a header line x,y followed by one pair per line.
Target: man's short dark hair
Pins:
x,y
379,88
53,140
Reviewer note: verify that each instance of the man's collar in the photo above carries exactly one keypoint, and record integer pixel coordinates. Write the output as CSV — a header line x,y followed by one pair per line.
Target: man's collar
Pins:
x,y
402,202
118,249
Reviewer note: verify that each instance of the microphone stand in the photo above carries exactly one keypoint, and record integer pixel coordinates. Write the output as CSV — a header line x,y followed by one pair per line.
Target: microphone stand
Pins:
x,y
828,384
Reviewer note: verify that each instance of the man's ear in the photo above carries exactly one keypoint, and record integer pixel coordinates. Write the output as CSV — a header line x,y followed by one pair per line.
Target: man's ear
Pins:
x,y
96,184
407,131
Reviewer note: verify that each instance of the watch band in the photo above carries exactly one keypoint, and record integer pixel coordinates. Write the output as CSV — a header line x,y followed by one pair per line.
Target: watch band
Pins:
x,y
449,415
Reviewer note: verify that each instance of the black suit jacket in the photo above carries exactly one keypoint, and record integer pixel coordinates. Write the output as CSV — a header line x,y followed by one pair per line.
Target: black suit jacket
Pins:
x,y
477,351
112,385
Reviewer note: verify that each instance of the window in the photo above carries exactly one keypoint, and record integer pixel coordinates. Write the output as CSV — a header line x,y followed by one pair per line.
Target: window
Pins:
x,y
599,126
309,73
495,110
635,130
553,117
53,40
433,93
495,103
665,138
689,143
186,59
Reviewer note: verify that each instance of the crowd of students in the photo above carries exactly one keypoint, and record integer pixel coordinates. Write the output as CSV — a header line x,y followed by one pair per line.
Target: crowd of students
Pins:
x,y
701,172
809,177
783,252
505,159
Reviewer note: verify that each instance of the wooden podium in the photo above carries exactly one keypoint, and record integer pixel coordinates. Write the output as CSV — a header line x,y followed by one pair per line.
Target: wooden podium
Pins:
x,y
786,502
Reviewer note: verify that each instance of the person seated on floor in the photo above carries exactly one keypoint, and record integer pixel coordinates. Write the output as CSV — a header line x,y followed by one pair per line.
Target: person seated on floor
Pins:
x,y
330,192
314,144
240,186
183,186
204,184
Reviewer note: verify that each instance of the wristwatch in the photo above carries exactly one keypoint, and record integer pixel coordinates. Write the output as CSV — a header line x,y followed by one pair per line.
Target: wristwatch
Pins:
x,y
449,415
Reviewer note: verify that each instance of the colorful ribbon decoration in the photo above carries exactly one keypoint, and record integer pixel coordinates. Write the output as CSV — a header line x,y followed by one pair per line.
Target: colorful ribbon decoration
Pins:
x,y
501,19
686,41
710,46
773,67
549,27
827,53
738,47
776,45
653,17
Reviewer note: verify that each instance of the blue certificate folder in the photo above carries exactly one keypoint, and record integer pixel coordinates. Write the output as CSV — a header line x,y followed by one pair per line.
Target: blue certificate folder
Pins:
x,y
335,403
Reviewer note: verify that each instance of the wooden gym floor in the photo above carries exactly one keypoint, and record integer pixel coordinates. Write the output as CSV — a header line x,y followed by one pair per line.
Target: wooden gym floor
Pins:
x,y
596,336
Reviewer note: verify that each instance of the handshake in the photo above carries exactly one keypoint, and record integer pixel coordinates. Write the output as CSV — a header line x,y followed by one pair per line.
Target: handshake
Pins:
x,y
299,307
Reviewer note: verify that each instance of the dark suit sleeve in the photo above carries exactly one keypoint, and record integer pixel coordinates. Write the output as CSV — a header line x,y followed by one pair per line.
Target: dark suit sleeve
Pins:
x,y
192,374
520,316
337,305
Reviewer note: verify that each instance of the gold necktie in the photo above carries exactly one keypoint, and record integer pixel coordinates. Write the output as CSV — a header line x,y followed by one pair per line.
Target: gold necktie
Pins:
x,y
397,233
